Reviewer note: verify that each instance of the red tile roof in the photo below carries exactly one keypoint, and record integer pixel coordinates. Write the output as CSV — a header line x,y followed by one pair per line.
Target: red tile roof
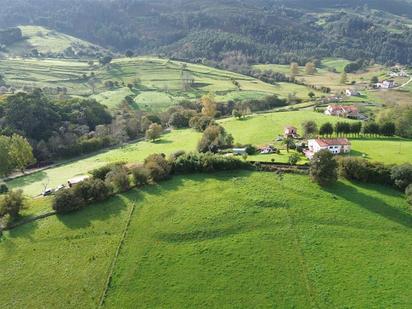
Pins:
x,y
323,142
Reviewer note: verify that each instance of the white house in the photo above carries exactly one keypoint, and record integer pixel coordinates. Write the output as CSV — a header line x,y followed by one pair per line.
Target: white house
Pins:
x,y
347,111
335,146
386,84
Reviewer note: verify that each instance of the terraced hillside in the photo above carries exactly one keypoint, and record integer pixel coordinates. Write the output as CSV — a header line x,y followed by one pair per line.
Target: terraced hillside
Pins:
x,y
155,83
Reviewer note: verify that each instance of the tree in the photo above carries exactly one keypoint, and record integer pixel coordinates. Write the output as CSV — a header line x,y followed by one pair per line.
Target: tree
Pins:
x,y
387,128
342,128
344,78
294,68
179,120
326,129
208,105
214,138
67,201
310,68
323,168
293,159
158,167
374,80
310,128
289,143
311,95
408,192
154,132
129,54
141,175
402,175
21,153
355,128
7,164
371,128
119,179
12,203
105,60
236,114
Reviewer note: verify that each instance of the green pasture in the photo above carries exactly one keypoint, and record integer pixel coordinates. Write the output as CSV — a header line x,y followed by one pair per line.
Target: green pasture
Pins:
x,y
157,83
258,130
236,239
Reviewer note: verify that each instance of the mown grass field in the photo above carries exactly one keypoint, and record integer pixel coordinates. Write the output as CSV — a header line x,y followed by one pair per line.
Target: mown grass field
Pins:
x,y
158,82
256,130
46,41
252,240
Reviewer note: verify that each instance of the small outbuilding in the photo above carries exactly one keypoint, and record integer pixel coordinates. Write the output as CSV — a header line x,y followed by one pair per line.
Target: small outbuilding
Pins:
x,y
291,131
76,180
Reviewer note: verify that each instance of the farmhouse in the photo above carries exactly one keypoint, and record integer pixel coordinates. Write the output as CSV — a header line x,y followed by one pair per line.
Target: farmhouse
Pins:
x,y
386,84
347,111
335,146
291,131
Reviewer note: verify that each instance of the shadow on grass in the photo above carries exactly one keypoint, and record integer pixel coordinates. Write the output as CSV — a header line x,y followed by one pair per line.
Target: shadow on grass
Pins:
x,y
27,179
372,204
96,212
162,141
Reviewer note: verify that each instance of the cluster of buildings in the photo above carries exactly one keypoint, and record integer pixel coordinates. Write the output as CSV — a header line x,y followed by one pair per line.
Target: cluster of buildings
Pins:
x,y
345,111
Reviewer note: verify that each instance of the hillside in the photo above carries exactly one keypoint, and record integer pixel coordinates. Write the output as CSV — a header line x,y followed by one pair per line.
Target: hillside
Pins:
x,y
156,83
238,239
36,40
275,31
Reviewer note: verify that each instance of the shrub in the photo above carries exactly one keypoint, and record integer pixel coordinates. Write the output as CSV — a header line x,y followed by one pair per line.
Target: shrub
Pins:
x,y
67,201
12,203
158,167
154,132
251,150
323,168
3,188
408,193
402,175
206,162
176,155
101,172
93,190
141,175
293,159
119,179
201,123
214,138
362,170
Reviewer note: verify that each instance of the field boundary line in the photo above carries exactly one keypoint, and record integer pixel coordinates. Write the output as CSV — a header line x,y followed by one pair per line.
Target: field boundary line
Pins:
x,y
115,257
309,287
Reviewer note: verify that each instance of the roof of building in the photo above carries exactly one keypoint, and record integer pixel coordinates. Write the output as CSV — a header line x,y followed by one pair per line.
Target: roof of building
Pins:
x,y
325,142
290,128
344,108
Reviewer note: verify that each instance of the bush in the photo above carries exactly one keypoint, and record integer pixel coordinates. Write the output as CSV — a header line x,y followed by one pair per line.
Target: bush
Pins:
x,y
251,150
158,167
119,179
408,193
3,188
67,201
141,175
206,162
365,171
201,123
12,203
176,155
293,159
214,138
323,168
93,190
101,172
402,175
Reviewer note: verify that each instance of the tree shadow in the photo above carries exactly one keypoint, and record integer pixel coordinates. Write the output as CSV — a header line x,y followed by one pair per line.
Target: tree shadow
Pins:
x,y
96,212
162,141
372,204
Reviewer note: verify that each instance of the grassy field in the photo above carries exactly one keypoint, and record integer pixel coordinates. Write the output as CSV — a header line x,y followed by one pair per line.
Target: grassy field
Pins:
x,y
250,241
256,130
47,41
158,82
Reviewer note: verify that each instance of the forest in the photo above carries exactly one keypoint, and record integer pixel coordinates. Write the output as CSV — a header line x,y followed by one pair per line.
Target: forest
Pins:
x,y
275,31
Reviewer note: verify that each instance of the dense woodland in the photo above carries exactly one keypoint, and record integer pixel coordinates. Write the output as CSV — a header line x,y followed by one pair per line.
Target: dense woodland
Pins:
x,y
277,31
